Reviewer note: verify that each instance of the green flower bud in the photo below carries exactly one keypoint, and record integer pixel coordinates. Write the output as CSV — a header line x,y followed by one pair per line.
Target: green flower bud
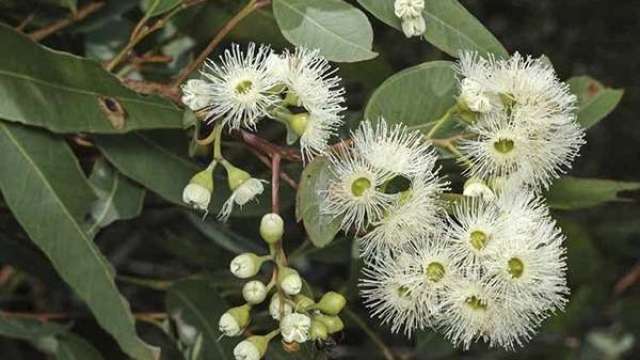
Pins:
x,y
235,176
299,122
332,303
271,228
233,322
246,265
254,292
289,280
318,331
333,323
303,303
252,348
198,192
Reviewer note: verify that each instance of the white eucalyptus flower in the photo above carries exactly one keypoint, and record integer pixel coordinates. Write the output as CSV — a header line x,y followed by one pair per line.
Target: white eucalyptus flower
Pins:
x,y
354,191
295,328
241,86
197,94
413,26
278,307
244,193
477,98
197,196
385,292
408,8
477,188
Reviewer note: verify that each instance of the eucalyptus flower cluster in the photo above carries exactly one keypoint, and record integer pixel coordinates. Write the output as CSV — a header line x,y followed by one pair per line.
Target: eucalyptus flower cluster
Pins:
x,y
299,89
492,266
300,318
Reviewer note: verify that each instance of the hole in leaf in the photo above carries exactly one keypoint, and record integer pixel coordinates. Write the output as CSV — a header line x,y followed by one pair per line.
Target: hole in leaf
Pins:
x,y
114,111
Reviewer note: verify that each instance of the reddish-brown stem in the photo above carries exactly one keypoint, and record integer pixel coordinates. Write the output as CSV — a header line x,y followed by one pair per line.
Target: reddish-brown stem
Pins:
x,y
265,160
23,24
58,25
226,29
275,183
269,148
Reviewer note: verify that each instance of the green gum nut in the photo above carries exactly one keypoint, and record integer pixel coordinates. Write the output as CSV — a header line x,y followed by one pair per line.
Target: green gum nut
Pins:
x,y
298,123
260,342
333,323
271,228
303,303
318,331
203,178
242,314
235,176
332,303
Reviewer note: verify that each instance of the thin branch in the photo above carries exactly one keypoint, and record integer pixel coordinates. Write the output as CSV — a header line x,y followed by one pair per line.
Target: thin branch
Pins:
x,y
23,24
63,23
226,29
265,160
269,148
275,183
388,355
628,280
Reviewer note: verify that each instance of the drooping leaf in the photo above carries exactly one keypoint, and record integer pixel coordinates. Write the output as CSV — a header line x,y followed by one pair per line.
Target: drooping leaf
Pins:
x,y
569,193
195,303
450,27
595,101
71,347
118,197
46,179
158,7
65,93
152,159
321,228
339,30
416,96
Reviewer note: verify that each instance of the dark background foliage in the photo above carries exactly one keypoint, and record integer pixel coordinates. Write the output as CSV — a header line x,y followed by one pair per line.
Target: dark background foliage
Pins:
x,y
594,37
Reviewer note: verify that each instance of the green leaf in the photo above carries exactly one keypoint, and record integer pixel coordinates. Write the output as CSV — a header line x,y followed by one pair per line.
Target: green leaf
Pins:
x,y
416,96
315,178
38,185
595,101
222,236
66,93
118,197
158,7
339,30
69,4
569,193
152,159
27,329
450,27
196,303
71,347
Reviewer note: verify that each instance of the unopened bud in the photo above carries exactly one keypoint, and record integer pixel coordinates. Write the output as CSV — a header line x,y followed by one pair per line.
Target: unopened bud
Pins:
x,y
198,192
333,323
318,330
298,123
233,322
290,281
252,348
303,303
278,307
332,303
254,292
235,176
271,228
477,188
246,265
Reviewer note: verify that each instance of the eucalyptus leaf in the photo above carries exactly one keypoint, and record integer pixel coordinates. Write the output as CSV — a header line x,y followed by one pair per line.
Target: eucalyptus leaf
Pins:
x,y
158,7
569,193
38,185
118,197
595,101
152,159
28,329
416,96
66,93
71,347
315,178
195,304
339,30
450,27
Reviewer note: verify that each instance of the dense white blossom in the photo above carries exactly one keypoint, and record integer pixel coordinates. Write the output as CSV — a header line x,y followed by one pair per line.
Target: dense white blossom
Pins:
x,y
295,328
241,87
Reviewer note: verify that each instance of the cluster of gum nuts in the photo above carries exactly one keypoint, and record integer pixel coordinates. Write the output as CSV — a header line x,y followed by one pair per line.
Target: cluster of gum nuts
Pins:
x,y
300,318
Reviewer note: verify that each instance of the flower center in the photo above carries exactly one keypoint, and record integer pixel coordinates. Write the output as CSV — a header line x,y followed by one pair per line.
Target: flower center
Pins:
x,y
359,186
475,303
516,267
244,87
435,271
403,291
478,239
503,146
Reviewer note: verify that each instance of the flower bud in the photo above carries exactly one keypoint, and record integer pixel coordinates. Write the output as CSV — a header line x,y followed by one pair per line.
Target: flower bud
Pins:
x,y
246,265
298,123
233,322
332,303
197,193
318,330
197,94
252,348
235,176
295,328
303,303
477,188
271,228
254,292
278,307
333,323
290,281
413,26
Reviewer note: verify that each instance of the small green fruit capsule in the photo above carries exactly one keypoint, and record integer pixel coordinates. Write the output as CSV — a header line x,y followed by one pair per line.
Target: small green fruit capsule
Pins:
x,y
332,303
271,228
303,303
318,331
333,323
